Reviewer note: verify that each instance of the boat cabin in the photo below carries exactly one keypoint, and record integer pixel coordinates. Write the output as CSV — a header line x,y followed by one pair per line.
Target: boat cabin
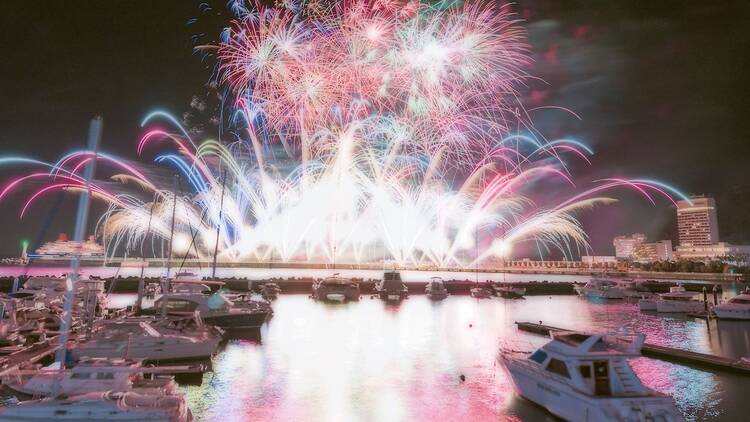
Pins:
x,y
592,364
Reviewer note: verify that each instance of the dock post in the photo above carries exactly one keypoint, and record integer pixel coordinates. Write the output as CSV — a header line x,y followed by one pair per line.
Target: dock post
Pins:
x,y
716,295
705,299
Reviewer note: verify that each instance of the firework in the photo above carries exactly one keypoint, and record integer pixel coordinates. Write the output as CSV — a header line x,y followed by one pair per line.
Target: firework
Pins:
x,y
406,131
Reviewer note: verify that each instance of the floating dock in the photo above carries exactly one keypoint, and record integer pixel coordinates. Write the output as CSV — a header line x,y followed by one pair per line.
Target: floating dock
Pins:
x,y
669,354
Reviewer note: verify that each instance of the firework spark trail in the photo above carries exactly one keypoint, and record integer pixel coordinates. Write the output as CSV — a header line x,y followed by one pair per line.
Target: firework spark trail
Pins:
x,y
382,105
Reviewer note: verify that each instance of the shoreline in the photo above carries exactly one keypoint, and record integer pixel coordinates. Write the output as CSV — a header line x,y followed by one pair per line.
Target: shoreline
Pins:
x,y
576,271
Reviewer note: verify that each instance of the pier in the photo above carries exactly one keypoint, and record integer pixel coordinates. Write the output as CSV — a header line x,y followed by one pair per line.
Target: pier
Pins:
x,y
669,354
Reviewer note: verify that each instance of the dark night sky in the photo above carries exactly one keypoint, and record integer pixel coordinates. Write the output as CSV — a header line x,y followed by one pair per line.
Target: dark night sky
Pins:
x,y
660,87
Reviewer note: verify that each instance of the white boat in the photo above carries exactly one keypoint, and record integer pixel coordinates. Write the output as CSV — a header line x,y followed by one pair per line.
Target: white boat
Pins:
x,y
217,309
101,406
602,289
336,289
678,300
142,341
89,376
509,292
480,292
435,289
585,377
737,307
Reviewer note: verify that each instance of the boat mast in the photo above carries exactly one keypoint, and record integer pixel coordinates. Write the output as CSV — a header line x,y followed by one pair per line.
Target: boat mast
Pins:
x,y
171,230
218,225
95,134
139,301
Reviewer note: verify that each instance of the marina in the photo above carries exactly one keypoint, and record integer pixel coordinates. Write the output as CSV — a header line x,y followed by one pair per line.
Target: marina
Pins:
x,y
301,327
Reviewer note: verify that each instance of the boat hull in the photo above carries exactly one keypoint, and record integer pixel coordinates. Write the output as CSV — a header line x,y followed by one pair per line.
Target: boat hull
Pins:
x,y
647,305
237,320
566,403
674,306
736,313
337,294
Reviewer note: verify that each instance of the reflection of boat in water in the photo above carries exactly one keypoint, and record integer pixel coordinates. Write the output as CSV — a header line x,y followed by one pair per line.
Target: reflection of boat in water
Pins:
x,y
435,289
678,300
584,377
391,288
101,406
270,291
737,307
601,289
509,292
336,289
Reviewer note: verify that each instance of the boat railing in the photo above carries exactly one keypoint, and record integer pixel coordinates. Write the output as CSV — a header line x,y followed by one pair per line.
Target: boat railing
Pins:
x,y
516,347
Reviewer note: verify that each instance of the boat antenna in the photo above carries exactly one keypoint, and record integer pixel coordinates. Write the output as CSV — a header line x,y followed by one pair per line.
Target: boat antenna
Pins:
x,y
139,301
218,225
82,215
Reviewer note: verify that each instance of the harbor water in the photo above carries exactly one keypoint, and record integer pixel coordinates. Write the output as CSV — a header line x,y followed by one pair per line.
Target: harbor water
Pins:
x,y
424,360
369,361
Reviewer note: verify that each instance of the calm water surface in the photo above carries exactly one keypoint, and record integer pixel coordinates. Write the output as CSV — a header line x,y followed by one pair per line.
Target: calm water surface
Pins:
x,y
370,362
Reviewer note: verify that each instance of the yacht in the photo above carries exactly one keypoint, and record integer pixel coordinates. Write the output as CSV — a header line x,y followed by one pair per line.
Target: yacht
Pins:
x,y
336,289
271,291
89,376
601,289
509,292
435,289
216,309
737,307
100,406
678,300
391,288
142,340
478,292
585,377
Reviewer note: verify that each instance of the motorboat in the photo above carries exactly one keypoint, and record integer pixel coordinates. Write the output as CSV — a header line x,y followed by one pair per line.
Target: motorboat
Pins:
x,y
509,292
391,288
336,289
632,288
143,340
479,292
100,406
737,307
216,309
89,376
678,300
435,289
271,291
601,289
587,377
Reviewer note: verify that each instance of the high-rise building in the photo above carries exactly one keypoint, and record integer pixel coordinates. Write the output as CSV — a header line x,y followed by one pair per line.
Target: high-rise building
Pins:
x,y
696,222
653,251
625,245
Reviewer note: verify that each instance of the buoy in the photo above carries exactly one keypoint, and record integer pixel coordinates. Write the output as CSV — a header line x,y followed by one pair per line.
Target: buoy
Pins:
x,y
463,377
471,325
